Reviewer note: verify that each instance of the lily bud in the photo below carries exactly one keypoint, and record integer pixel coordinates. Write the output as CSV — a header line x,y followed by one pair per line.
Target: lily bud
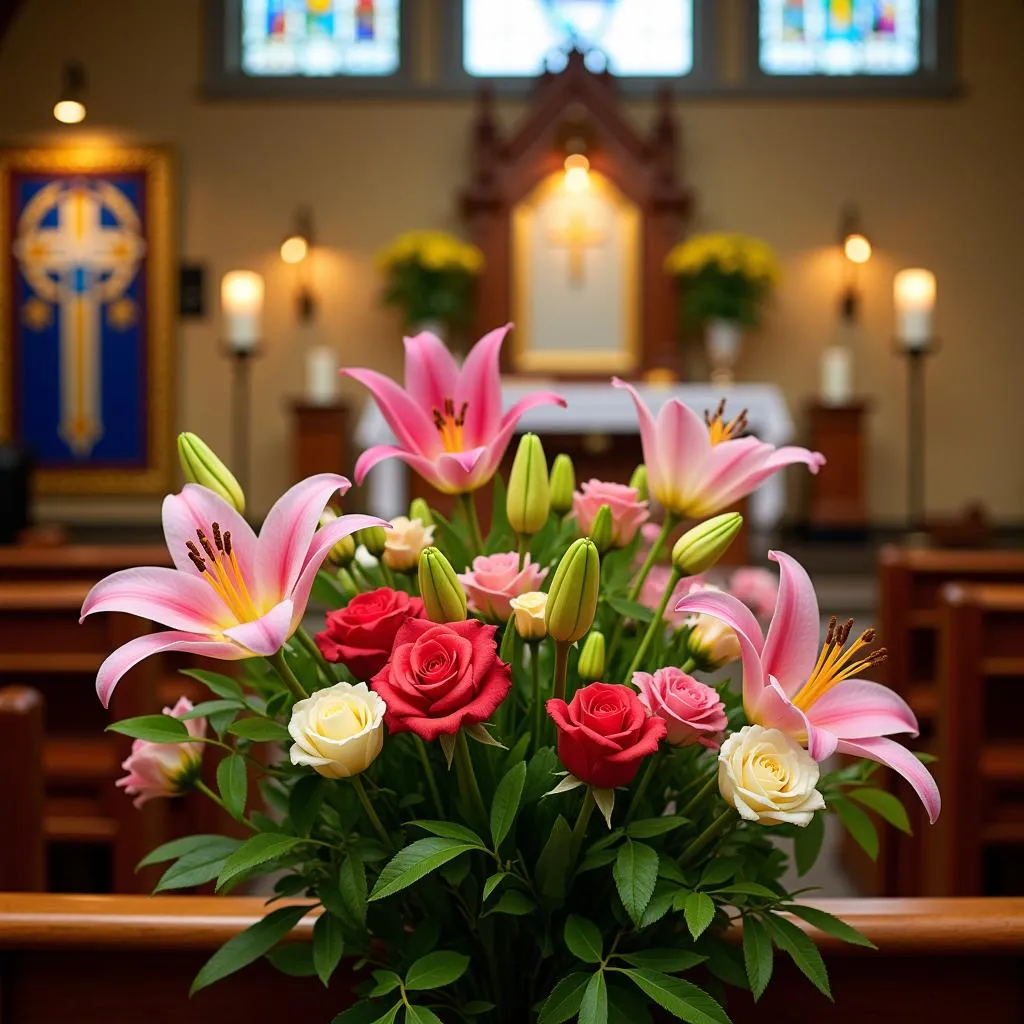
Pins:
x,y
563,483
420,510
639,481
702,546
591,665
200,465
572,597
602,529
373,538
443,596
342,553
528,503
711,643
347,583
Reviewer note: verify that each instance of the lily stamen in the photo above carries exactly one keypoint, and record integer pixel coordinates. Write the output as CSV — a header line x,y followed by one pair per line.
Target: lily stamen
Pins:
x,y
836,664
450,426
221,570
719,430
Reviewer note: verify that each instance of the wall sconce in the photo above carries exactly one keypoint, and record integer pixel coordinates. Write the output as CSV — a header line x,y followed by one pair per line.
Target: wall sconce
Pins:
x,y
70,105
856,251
294,250
577,173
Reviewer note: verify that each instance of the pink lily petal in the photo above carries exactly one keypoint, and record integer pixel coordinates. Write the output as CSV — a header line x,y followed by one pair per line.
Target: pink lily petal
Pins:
x,y
900,760
431,372
447,471
858,709
775,710
791,647
197,508
130,654
409,421
267,634
684,447
779,459
288,531
378,453
480,388
729,470
161,595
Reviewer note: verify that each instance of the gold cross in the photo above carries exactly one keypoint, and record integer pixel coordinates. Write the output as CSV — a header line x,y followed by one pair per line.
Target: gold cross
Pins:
x,y
577,236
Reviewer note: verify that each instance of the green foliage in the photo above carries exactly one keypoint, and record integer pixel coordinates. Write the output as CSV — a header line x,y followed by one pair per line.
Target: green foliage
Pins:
x,y
153,728
416,861
635,873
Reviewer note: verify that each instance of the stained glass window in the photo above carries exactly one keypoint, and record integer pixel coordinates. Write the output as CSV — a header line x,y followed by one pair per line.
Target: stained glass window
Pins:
x,y
840,37
320,38
630,38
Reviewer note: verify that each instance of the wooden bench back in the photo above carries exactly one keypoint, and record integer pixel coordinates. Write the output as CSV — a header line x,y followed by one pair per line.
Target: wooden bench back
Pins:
x,y
23,847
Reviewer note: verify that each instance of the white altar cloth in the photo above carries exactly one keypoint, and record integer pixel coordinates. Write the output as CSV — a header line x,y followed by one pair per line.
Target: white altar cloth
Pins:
x,y
599,408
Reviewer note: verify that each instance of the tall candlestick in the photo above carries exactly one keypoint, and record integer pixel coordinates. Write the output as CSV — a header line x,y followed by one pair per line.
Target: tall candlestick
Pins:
x,y
241,304
914,296
321,375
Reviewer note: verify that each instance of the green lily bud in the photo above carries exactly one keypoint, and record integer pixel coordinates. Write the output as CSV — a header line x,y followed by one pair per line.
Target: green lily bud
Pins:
x,y
601,529
373,538
702,546
563,483
200,465
572,597
528,503
345,550
638,481
347,583
591,664
442,593
420,510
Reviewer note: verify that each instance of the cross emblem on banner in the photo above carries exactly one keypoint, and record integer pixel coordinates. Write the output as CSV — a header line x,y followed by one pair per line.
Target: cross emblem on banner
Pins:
x,y
79,266
577,235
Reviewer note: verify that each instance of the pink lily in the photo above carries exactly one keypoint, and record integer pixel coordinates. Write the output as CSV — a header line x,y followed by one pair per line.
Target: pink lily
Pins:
x,y
232,595
697,468
811,695
447,420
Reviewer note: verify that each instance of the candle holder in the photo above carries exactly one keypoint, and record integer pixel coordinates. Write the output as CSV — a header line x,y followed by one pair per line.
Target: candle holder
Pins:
x,y
915,354
241,395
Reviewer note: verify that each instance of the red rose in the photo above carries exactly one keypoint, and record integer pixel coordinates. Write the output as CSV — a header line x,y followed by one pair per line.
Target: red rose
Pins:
x,y
362,634
441,677
604,734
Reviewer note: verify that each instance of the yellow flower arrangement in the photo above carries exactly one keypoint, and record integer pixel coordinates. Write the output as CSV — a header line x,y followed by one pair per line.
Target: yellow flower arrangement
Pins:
x,y
433,250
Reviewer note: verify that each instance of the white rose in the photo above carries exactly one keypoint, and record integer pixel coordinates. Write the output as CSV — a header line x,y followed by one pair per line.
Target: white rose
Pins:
x,y
529,614
339,731
768,777
405,540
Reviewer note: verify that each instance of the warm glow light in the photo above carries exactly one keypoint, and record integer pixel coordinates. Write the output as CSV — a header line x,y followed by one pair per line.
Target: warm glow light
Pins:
x,y
241,304
914,296
69,111
294,249
857,248
577,172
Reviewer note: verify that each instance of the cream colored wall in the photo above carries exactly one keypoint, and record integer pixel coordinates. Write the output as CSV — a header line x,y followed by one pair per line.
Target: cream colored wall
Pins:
x,y
938,183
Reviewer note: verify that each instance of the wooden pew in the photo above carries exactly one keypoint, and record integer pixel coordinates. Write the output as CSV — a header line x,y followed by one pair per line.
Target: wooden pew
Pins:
x,y
131,958
980,736
85,562
23,848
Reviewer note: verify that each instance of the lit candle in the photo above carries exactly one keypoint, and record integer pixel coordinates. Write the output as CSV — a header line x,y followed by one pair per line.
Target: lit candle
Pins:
x,y
836,375
321,375
241,306
914,295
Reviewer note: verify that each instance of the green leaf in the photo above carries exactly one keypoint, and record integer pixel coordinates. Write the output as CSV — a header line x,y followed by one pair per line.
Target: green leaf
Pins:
x,y
790,939
435,970
421,1015
260,730
757,956
749,889
363,1013
807,843
564,1000
294,959
477,1006
199,866
597,859
648,828
233,783
594,1006
210,707
830,924
859,825
514,902
627,1005
667,961
385,982
450,830
699,911
493,882
630,609
661,903
885,805
247,946
553,862
583,938
717,871
415,861
389,1017
506,802
328,945
352,886
179,847
153,728
507,651
261,848
635,872
682,998
539,774
304,802
218,683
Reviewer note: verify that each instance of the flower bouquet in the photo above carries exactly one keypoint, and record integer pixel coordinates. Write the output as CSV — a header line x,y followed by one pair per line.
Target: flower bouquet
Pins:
x,y
498,782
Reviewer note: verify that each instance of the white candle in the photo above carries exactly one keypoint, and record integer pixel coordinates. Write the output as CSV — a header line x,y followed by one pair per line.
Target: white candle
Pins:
x,y
241,306
321,375
914,295
836,375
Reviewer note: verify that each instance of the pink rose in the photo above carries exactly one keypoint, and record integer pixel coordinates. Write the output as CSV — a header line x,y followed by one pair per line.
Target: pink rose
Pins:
x,y
692,711
757,588
164,769
495,579
628,512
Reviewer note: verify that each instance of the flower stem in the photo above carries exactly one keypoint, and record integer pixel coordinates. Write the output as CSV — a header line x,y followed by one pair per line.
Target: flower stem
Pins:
x,y
385,572
700,796
314,652
524,550
652,556
360,789
580,828
467,780
561,668
468,507
207,792
652,627
538,707
708,836
279,663
428,770
645,780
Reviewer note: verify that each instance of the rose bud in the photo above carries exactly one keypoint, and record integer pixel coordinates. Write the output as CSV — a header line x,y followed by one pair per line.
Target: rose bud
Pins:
x,y
493,580
692,711
404,542
562,484
627,512
373,538
528,501
638,481
344,551
768,777
528,610
702,546
338,731
442,594
200,465
420,510
591,663
572,597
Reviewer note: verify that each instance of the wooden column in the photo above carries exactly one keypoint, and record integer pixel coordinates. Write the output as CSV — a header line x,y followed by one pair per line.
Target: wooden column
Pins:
x,y
838,492
319,439
23,851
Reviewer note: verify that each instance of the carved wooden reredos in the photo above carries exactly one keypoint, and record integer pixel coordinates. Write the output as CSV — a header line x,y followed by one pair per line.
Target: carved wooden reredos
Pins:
x,y
576,104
